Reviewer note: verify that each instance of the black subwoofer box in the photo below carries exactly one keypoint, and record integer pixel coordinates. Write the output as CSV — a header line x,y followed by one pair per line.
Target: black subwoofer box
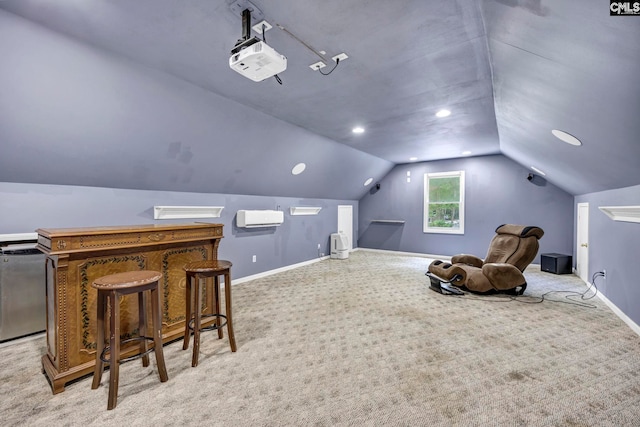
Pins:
x,y
556,263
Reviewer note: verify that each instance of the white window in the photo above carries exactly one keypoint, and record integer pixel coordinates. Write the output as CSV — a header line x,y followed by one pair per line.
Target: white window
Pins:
x,y
444,202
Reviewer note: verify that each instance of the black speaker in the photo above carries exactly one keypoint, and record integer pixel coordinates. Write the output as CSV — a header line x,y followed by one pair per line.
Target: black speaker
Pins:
x,y
556,263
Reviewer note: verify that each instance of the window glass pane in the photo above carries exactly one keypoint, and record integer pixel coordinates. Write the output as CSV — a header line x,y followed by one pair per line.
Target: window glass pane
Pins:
x,y
444,215
444,189
444,202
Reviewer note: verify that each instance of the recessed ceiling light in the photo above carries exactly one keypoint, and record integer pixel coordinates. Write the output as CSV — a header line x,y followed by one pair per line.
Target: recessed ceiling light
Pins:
x,y
443,113
413,159
566,137
466,153
535,169
368,181
298,169
358,129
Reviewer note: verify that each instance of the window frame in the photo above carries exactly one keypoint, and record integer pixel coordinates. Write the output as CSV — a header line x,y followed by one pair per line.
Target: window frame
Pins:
x,y
443,230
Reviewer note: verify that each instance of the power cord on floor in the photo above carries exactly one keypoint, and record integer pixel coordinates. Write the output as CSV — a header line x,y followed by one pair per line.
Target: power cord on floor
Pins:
x,y
571,295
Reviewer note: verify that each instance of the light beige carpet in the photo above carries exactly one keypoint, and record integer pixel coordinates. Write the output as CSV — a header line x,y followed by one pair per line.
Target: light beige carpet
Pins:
x,y
359,342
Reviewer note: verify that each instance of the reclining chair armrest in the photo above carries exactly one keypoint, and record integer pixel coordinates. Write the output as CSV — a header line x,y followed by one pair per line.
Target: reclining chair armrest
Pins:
x,y
504,276
467,259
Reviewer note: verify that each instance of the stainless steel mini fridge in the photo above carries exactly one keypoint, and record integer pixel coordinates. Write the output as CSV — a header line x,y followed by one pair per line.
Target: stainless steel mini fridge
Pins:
x,y
22,286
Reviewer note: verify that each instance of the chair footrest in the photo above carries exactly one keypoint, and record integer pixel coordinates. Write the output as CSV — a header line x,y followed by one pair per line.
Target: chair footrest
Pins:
x,y
443,286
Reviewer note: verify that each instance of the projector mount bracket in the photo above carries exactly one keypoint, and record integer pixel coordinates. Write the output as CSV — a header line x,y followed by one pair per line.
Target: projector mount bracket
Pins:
x,y
245,9
239,6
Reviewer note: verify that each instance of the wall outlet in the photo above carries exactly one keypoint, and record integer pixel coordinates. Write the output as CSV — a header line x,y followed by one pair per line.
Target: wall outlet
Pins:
x,y
341,56
258,27
604,274
318,245
254,258
317,65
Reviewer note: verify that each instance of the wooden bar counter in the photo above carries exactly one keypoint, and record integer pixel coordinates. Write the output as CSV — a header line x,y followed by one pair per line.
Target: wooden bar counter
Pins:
x,y
78,256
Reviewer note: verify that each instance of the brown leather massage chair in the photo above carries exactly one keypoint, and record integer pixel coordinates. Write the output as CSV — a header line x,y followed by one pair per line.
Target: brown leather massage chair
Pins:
x,y
512,249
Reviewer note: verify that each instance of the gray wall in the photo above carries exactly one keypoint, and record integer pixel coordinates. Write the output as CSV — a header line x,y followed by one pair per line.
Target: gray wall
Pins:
x,y
26,207
71,114
497,192
614,246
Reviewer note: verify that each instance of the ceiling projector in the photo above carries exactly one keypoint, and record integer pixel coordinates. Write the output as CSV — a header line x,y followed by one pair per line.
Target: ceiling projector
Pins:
x,y
257,61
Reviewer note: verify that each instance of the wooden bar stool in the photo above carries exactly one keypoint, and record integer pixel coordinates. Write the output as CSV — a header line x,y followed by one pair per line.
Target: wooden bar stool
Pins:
x,y
110,289
193,320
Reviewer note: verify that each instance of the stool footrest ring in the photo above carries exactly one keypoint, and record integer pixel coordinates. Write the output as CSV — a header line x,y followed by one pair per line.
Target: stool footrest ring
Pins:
x,y
212,327
130,358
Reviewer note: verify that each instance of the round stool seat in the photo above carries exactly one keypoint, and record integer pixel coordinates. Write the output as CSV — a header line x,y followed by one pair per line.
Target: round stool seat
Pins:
x,y
207,266
126,280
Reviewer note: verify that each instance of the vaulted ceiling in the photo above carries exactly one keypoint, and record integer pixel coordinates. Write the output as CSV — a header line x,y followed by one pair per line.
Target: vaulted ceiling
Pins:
x,y
139,93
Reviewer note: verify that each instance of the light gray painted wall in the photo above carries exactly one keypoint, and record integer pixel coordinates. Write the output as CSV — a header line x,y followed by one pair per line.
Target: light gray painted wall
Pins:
x,y
614,246
71,114
26,207
497,192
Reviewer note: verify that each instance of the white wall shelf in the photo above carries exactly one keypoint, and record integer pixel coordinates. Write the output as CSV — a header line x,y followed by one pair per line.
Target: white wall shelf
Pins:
x,y
389,221
181,212
304,210
16,237
622,213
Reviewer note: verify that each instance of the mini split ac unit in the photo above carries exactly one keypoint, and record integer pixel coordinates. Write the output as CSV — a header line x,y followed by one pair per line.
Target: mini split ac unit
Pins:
x,y
253,219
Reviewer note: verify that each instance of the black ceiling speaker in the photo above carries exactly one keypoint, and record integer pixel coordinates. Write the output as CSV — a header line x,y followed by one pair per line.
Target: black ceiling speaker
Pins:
x,y
536,180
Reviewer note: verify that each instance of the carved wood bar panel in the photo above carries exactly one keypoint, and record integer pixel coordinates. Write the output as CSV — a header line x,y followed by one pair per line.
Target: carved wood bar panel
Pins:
x,y
78,256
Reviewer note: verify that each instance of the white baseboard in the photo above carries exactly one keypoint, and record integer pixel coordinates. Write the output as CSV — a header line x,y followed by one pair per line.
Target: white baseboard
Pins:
x,y
276,270
311,261
417,254
626,319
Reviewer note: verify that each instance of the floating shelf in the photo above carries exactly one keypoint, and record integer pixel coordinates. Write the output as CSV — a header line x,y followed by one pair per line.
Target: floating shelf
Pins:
x,y
389,221
180,212
304,210
622,213
17,237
